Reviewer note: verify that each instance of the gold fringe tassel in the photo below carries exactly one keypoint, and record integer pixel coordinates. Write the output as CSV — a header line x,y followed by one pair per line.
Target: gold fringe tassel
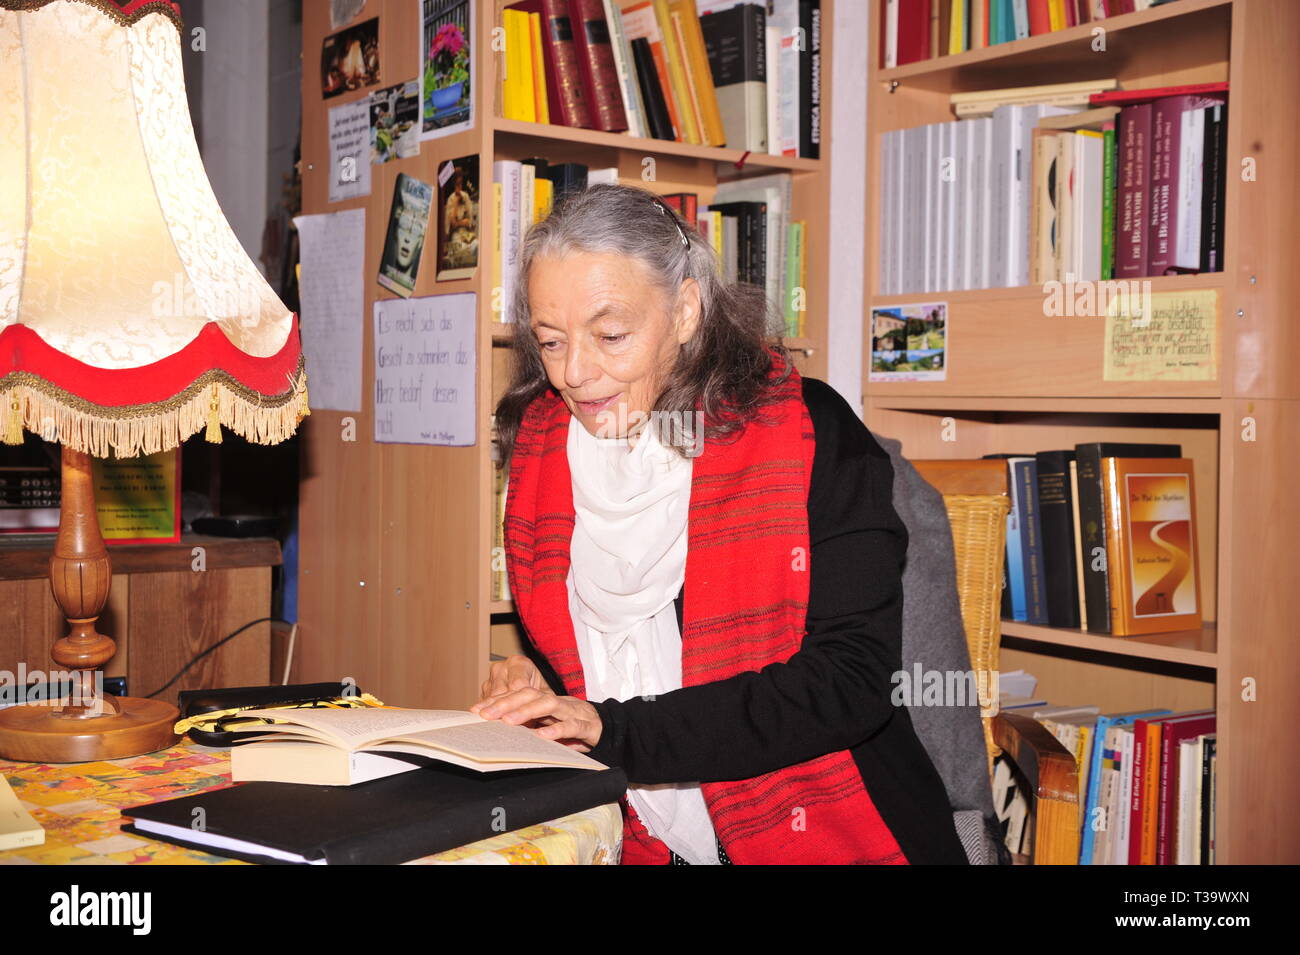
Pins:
x,y
56,417
13,429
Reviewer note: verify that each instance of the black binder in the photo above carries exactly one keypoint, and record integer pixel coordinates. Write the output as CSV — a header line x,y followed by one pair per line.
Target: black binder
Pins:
x,y
382,822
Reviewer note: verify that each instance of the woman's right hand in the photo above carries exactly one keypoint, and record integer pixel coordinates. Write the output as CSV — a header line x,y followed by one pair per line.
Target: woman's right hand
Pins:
x,y
515,672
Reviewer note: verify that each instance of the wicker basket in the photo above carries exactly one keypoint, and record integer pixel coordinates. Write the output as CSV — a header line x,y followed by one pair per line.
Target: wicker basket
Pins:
x,y
979,530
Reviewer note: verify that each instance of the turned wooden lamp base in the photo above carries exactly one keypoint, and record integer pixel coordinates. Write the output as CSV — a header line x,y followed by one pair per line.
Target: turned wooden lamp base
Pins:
x,y
89,725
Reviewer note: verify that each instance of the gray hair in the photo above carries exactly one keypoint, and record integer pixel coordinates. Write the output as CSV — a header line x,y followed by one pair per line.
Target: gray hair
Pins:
x,y
725,365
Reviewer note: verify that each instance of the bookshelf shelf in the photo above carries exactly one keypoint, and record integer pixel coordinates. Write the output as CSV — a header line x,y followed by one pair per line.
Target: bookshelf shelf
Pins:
x,y
1198,648
551,133
1068,54
1021,380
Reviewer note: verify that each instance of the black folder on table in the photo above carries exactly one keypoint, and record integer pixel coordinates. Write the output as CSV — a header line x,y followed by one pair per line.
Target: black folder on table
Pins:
x,y
382,822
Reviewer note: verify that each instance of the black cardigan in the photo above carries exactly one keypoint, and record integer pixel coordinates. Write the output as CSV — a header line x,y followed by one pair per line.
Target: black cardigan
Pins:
x,y
834,693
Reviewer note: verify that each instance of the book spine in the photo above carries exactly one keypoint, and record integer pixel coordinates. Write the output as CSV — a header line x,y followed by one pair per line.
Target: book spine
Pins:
x,y
1116,552
700,73
1092,519
1137,792
688,120
1056,519
1108,201
1212,189
1031,542
596,61
810,80
567,103
629,90
1162,213
657,118
1131,253
1168,818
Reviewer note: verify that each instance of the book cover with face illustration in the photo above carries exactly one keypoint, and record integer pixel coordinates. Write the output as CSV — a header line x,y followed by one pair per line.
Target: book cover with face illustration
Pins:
x,y
407,224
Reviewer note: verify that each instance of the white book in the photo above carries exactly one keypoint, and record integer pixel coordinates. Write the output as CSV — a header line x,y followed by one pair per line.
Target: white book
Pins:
x,y
885,213
1002,181
948,209
891,33
914,210
960,209
1189,768
930,207
1119,848
903,174
981,197
628,87
607,174
1191,155
784,15
1088,156
509,173
526,197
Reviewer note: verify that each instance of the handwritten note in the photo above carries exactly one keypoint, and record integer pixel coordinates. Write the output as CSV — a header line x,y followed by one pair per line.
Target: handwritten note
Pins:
x,y
333,306
1163,336
349,150
425,361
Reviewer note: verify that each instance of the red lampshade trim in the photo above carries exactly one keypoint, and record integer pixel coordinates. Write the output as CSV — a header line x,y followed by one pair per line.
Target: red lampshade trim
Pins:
x,y
22,350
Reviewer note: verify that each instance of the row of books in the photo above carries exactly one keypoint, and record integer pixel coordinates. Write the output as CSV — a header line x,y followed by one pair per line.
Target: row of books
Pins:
x,y
705,72
1102,537
914,30
500,580
1146,782
1068,182
748,224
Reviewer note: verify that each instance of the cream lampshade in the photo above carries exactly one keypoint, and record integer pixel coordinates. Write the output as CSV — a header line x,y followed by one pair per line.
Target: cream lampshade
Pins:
x,y
130,316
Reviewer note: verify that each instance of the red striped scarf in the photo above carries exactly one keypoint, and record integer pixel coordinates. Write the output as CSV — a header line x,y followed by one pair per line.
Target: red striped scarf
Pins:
x,y
746,602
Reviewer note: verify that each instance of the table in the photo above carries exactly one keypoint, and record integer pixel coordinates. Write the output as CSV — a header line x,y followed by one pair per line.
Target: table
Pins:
x,y
79,804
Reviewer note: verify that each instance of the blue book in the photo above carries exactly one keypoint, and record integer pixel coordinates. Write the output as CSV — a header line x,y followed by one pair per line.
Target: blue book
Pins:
x,y
1015,558
1089,839
1025,471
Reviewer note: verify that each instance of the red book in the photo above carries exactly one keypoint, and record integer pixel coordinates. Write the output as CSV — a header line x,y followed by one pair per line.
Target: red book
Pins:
x,y
564,93
1129,97
913,30
596,64
1040,17
1146,766
1132,192
685,204
1172,733
1166,146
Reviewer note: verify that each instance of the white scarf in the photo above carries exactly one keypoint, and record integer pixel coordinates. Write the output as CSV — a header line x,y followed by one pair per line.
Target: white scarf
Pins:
x,y
627,564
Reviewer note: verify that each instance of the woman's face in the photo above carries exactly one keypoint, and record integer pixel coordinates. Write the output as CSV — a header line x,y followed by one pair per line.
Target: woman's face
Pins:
x,y
607,335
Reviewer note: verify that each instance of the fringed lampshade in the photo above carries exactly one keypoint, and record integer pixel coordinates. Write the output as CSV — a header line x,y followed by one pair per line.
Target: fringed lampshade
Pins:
x,y
130,316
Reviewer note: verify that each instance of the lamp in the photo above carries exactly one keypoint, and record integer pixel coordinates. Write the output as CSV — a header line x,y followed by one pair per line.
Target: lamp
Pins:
x,y
130,317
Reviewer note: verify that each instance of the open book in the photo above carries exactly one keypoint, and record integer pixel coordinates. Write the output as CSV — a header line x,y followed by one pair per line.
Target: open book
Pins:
x,y
345,746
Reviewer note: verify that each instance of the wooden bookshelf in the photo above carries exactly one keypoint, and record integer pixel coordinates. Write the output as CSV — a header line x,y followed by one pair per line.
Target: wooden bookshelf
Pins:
x,y
1020,380
396,539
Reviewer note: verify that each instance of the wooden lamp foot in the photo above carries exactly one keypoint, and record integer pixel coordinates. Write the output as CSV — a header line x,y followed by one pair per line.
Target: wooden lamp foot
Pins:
x,y
89,724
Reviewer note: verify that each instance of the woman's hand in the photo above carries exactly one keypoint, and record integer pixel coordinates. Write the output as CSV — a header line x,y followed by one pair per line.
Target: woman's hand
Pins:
x,y
510,696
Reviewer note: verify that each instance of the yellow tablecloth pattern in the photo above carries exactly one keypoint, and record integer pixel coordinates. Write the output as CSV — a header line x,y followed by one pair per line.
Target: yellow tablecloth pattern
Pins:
x,y
79,805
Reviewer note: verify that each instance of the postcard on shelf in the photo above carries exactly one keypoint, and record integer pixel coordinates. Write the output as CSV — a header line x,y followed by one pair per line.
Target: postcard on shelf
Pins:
x,y
395,122
349,59
446,78
1175,340
909,342
139,499
425,367
349,131
407,223
458,218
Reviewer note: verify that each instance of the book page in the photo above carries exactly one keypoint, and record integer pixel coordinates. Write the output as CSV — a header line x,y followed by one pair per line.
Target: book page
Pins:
x,y
352,729
494,741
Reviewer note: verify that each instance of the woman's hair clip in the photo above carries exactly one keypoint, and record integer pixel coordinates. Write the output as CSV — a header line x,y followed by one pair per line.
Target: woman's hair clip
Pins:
x,y
664,210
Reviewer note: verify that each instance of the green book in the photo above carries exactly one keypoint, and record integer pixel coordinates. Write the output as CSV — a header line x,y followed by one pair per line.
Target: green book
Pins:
x,y
1108,201
793,277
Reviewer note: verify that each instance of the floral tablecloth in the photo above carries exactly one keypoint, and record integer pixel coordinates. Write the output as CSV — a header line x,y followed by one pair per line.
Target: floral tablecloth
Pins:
x,y
78,805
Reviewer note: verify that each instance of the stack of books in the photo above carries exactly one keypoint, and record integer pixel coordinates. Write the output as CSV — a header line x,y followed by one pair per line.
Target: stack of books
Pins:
x,y
1072,182
1102,538
748,225
913,30
706,72
1146,782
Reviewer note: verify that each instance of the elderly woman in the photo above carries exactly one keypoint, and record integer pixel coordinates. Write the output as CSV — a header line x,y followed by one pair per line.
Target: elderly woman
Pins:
x,y
701,547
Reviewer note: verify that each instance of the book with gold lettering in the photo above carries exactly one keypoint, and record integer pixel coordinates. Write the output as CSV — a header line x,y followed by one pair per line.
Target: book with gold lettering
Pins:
x,y
1151,545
